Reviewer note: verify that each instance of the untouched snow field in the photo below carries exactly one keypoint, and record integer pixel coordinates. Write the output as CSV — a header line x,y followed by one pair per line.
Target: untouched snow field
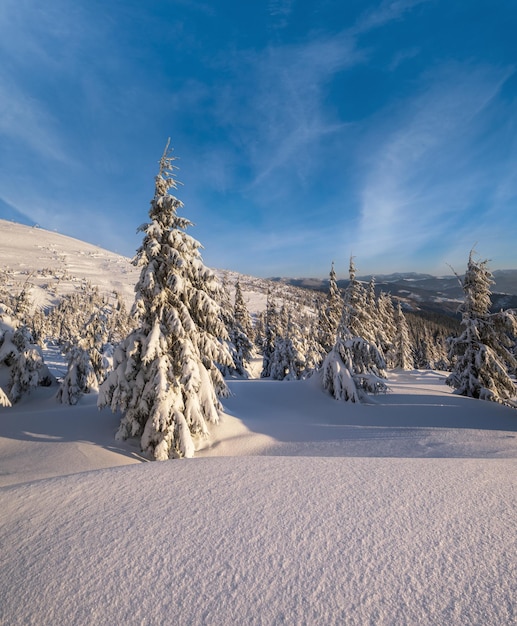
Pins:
x,y
300,510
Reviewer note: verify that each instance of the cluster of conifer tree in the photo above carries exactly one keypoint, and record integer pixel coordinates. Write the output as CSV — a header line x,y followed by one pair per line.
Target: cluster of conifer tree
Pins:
x,y
84,325
164,365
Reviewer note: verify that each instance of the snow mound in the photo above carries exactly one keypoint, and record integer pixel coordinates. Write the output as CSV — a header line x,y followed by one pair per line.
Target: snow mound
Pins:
x,y
264,541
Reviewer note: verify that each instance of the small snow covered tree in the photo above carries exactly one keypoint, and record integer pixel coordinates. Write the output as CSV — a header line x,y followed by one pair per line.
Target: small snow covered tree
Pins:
x,y
80,377
241,313
482,355
271,331
353,368
23,303
28,369
165,377
288,361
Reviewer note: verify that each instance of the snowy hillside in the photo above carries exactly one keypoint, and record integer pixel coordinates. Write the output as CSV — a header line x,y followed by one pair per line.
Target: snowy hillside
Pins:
x,y
297,509
54,264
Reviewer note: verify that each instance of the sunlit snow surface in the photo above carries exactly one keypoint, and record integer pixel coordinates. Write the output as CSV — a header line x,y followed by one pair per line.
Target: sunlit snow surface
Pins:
x,y
313,512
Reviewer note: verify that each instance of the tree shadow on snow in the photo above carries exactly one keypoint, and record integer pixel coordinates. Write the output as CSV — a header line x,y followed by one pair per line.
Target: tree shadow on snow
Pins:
x,y
411,420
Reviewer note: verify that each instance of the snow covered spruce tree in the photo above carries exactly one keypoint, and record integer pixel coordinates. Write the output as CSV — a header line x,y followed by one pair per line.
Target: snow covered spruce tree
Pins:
x,y
80,377
482,355
402,356
272,329
288,361
239,345
28,369
385,326
356,309
330,313
241,334
165,377
241,313
354,366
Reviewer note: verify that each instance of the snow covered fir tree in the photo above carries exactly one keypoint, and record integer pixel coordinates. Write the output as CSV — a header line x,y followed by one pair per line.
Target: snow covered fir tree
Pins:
x,y
330,313
165,378
28,369
239,328
401,351
354,366
80,377
484,354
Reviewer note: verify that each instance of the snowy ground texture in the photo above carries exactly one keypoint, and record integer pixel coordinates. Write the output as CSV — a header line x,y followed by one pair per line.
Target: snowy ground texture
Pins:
x,y
300,510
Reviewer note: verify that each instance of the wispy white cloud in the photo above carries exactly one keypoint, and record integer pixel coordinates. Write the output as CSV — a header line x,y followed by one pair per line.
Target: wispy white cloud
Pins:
x,y
285,114
275,108
424,176
26,119
280,10
59,72
387,11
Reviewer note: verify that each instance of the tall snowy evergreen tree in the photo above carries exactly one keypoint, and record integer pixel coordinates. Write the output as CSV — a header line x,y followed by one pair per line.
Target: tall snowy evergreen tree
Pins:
x,y
384,325
239,345
401,353
271,331
165,378
354,366
371,300
330,313
241,334
288,361
241,313
356,315
482,355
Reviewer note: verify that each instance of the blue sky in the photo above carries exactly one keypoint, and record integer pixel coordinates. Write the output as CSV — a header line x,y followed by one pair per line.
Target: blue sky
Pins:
x,y
306,131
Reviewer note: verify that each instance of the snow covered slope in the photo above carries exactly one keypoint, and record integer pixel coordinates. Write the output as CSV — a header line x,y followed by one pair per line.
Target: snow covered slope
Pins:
x,y
54,264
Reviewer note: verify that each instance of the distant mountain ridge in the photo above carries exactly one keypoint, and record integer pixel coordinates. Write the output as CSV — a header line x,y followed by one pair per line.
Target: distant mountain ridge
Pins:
x,y
424,292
